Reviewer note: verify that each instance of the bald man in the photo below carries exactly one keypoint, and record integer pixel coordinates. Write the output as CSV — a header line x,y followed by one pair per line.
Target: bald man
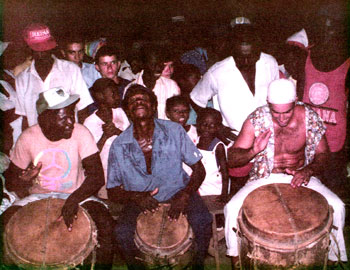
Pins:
x,y
273,137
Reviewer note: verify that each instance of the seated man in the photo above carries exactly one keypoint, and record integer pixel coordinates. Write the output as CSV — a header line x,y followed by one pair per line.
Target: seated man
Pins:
x,y
54,146
145,168
274,137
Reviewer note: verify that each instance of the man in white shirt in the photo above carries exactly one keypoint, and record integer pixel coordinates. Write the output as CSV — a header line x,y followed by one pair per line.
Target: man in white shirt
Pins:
x,y
72,49
45,72
238,84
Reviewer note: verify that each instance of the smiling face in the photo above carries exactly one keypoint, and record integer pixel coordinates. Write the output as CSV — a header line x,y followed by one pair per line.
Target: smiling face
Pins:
x,y
282,114
179,113
140,107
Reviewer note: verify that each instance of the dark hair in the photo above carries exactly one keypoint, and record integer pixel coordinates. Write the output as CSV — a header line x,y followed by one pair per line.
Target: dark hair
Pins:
x,y
184,71
175,100
101,84
106,51
138,89
203,113
70,40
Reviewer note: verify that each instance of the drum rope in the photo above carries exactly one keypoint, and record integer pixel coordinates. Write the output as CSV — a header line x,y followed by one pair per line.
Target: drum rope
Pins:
x,y
337,252
162,227
46,232
288,211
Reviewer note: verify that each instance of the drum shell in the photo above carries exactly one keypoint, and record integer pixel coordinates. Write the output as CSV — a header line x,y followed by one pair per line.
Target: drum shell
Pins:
x,y
163,241
298,247
51,244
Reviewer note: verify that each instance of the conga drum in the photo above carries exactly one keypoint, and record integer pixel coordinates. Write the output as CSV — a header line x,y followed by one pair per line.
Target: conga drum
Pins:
x,y
35,238
162,241
280,226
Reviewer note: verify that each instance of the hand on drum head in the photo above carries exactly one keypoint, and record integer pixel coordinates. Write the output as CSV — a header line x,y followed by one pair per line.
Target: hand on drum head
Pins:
x,y
300,177
69,213
178,205
145,200
31,172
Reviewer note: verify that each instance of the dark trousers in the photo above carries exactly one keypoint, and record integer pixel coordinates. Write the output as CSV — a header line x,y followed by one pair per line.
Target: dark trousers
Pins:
x,y
198,217
104,224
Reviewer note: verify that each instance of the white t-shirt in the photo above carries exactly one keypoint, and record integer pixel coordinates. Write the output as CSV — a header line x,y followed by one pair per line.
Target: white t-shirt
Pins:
x,y
231,95
94,124
64,74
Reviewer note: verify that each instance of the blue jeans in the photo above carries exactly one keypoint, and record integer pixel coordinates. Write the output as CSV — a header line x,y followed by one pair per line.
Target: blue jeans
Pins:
x,y
198,217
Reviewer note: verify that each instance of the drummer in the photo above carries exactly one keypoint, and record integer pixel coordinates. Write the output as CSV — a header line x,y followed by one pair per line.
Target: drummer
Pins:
x,y
274,138
145,168
59,158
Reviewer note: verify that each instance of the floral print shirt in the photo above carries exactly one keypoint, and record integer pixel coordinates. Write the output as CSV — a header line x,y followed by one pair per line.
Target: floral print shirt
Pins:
x,y
261,119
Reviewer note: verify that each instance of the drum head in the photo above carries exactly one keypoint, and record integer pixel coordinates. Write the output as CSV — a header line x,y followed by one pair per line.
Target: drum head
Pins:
x,y
285,214
34,235
157,235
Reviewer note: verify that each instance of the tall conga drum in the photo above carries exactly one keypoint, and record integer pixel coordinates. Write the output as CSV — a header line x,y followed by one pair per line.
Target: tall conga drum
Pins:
x,y
34,237
280,226
163,242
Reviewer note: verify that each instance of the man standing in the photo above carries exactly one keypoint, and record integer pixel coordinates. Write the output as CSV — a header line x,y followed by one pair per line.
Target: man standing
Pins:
x,y
285,139
59,158
45,72
73,50
145,168
238,84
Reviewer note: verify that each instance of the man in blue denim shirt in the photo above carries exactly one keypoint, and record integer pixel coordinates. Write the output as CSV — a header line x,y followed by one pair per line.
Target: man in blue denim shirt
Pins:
x,y
145,168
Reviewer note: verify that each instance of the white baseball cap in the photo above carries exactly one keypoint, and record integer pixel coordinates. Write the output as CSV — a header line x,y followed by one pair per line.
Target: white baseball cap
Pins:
x,y
53,99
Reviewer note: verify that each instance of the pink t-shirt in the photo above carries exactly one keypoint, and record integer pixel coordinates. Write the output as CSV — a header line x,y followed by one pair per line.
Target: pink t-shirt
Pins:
x,y
62,169
325,93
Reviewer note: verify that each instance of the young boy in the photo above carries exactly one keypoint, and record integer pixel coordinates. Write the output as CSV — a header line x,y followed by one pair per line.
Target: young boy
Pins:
x,y
214,154
108,121
177,109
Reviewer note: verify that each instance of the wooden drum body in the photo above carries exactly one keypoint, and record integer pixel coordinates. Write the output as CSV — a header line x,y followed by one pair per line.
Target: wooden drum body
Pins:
x,y
279,227
34,237
161,240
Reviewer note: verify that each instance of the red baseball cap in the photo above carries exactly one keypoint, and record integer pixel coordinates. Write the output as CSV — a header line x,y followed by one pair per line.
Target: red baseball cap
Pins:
x,y
38,37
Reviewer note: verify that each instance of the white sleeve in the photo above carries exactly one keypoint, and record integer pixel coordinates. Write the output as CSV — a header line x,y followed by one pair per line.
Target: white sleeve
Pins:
x,y
19,101
204,90
79,87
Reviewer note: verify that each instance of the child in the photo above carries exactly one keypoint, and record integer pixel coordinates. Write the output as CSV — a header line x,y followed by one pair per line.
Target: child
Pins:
x,y
214,154
177,109
108,121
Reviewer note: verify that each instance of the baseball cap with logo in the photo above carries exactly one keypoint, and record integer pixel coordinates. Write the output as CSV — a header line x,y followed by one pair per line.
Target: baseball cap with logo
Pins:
x,y
38,37
54,99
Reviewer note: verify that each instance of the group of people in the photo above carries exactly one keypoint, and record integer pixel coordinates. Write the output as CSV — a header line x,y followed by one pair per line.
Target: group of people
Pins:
x,y
147,131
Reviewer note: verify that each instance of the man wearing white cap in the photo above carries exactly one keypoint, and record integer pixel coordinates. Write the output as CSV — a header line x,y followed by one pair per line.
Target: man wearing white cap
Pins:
x,y
273,137
46,72
59,158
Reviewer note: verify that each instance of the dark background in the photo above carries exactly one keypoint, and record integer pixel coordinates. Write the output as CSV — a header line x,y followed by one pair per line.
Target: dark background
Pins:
x,y
151,19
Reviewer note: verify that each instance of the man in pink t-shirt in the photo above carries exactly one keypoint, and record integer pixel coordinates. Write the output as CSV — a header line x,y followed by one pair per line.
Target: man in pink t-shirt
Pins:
x,y
58,157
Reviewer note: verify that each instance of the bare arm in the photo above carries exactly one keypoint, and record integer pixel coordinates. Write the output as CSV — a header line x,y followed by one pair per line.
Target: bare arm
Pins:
x,y
179,200
246,147
221,157
94,180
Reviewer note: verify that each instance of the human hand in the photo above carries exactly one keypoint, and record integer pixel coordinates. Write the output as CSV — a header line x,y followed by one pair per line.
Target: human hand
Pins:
x,y
178,204
69,213
261,141
145,200
31,172
299,177
109,129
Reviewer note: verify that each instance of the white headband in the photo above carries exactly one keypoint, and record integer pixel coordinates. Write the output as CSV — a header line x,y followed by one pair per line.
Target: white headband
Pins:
x,y
281,91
